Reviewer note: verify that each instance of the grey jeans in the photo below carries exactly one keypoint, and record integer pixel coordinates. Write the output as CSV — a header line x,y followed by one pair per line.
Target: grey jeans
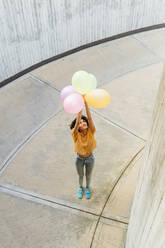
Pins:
x,y
88,163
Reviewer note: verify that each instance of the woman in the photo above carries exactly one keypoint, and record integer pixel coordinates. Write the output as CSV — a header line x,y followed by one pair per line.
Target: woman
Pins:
x,y
83,130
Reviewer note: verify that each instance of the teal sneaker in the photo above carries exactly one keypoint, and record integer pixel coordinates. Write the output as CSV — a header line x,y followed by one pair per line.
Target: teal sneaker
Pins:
x,y
80,193
88,193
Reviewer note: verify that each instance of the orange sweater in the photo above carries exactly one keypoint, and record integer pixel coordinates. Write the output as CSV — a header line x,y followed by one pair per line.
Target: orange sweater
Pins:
x,y
84,144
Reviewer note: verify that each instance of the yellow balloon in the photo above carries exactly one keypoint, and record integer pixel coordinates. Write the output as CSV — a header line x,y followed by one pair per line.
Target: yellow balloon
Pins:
x,y
98,98
81,82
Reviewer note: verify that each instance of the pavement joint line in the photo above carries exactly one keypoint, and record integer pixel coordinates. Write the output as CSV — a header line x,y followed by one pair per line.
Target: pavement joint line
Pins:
x,y
42,199
51,202
136,158
119,75
121,174
129,163
25,141
144,45
44,82
117,125
116,218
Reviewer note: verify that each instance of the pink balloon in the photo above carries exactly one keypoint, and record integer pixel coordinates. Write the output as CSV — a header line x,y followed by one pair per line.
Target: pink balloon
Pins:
x,y
74,103
68,90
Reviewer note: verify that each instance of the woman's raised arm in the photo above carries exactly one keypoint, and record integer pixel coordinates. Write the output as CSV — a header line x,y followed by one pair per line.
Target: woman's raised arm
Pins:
x,y
78,119
91,124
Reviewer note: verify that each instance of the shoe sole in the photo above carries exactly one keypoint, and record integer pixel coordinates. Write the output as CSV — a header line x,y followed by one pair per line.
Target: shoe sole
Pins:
x,y
88,197
80,197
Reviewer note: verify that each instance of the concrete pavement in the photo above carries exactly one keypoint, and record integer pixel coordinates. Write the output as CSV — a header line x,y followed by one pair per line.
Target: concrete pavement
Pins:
x,y
38,180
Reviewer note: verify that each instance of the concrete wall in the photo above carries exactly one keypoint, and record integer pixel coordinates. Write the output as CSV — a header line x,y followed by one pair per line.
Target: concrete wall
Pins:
x,y
35,30
147,223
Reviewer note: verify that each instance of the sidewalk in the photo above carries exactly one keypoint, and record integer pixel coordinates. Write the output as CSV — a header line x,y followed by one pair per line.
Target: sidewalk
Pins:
x,y
38,180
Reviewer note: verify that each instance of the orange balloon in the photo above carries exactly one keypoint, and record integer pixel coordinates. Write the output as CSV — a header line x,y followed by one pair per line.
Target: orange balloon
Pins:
x,y
98,98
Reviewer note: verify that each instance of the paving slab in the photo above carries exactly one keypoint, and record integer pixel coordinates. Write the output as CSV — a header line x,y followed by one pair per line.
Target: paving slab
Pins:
x,y
105,61
46,163
28,224
154,40
132,99
25,105
120,201
110,234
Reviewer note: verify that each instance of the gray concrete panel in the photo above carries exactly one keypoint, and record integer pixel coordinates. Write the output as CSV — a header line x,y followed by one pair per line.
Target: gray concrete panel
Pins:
x,y
110,234
154,41
25,105
124,192
27,224
132,99
106,62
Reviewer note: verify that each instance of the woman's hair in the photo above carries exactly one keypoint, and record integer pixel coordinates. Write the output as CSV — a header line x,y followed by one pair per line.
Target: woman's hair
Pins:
x,y
74,121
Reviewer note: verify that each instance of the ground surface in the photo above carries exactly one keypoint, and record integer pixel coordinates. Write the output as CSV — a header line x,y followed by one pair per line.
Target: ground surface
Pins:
x,y
38,180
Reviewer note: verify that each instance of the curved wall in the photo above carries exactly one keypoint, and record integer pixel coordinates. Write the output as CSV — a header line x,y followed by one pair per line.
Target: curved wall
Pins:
x,y
35,30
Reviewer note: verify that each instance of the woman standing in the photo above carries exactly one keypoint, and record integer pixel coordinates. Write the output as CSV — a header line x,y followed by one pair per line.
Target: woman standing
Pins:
x,y
83,130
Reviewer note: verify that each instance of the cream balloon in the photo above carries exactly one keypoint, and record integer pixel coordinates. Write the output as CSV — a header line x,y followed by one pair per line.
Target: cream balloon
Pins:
x,y
81,82
93,81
